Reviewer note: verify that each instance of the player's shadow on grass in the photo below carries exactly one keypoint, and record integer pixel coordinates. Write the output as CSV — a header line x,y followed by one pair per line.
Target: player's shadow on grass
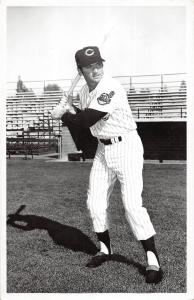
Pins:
x,y
67,236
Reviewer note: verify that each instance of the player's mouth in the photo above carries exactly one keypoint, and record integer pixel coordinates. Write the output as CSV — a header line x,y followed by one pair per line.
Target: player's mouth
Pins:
x,y
97,76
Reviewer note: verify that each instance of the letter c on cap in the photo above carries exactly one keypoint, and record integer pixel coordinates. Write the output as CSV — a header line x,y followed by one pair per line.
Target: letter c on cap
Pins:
x,y
89,52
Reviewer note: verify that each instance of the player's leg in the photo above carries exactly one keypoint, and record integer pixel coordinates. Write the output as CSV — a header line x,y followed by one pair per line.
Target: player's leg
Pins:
x,y
131,179
129,173
100,188
103,237
154,272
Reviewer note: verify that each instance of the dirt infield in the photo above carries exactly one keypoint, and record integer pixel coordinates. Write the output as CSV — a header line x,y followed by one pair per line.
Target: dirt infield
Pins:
x,y
51,240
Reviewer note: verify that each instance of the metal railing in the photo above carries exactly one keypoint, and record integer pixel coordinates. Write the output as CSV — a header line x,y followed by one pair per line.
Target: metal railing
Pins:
x,y
131,82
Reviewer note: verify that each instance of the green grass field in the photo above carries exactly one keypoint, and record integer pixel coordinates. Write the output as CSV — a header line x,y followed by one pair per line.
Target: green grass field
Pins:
x,y
49,252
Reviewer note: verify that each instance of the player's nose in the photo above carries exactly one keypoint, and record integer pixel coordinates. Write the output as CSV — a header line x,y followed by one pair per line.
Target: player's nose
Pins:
x,y
95,70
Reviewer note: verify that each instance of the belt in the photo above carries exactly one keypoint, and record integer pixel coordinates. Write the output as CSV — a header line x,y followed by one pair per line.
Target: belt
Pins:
x,y
111,141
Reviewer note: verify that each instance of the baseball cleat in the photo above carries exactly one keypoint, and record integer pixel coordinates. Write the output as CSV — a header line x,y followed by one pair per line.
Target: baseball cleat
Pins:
x,y
153,274
98,260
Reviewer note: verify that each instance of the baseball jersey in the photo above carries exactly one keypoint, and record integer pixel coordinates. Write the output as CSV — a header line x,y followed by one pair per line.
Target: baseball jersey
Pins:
x,y
109,96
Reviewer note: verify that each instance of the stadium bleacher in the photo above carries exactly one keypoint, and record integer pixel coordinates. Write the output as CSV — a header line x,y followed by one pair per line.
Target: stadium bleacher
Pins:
x,y
28,113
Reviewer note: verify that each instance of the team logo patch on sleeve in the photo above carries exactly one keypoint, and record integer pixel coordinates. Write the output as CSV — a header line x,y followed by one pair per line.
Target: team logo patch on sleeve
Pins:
x,y
105,98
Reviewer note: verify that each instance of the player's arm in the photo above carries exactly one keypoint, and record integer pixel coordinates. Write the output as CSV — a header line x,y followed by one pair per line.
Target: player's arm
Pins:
x,y
85,118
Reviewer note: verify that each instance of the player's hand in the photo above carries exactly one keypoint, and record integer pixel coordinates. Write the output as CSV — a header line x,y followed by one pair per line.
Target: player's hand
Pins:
x,y
66,102
69,98
61,108
70,109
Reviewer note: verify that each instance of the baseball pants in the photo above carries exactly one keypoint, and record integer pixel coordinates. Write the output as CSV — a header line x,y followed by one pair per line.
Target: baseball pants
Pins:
x,y
123,161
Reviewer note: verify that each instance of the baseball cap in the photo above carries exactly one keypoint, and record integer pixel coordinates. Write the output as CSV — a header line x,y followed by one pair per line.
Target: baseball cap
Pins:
x,y
87,56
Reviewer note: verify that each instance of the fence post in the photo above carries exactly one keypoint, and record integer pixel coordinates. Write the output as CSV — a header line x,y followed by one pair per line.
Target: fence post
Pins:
x,y
38,139
43,126
59,147
49,129
162,83
130,84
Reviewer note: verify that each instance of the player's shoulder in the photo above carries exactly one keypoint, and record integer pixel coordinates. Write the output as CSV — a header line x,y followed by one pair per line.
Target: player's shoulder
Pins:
x,y
111,84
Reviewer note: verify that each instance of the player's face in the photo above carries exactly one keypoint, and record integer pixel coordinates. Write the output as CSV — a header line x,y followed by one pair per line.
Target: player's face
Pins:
x,y
93,73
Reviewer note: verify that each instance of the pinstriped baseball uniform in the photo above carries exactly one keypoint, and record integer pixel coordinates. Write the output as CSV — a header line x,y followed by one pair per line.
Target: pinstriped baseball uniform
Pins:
x,y
122,160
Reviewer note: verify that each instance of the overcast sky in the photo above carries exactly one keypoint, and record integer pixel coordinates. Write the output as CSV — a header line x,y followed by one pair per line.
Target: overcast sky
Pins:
x,y
42,41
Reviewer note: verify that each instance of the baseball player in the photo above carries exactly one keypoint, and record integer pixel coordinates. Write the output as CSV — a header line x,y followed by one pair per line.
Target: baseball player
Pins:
x,y
104,108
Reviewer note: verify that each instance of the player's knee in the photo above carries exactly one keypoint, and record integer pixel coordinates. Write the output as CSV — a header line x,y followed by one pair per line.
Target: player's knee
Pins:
x,y
133,210
92,206
95,209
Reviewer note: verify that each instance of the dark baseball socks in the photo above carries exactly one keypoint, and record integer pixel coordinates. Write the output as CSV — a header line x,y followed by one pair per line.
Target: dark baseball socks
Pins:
x,y
153,272
104,240
151,252
104,252
148,245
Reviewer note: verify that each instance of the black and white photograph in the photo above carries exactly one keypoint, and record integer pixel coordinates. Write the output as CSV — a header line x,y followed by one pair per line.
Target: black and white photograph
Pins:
x,y
95,198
